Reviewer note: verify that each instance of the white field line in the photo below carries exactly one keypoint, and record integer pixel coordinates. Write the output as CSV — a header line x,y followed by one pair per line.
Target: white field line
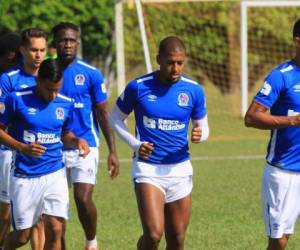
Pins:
x,y
209,158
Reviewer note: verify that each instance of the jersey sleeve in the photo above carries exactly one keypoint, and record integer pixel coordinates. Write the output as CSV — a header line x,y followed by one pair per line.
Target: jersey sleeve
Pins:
x,y
270,91
98,89
5,86
199,108
8,110
126,101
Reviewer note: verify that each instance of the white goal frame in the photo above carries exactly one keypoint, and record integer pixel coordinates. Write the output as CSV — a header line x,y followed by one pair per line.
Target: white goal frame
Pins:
x,y
244,6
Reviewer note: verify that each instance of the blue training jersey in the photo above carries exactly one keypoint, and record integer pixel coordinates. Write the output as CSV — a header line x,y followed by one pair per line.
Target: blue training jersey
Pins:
x,y
281,94
162,114
14,80
35,120
85,85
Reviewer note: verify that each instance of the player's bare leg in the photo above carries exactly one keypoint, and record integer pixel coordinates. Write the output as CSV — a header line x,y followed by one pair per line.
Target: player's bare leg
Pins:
x,y
278,244
17,239
4,221
150,202
177,216
37,238
53,232
86,209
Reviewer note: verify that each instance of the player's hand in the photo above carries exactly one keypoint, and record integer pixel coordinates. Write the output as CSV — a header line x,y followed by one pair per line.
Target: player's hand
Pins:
x,y
83,148
196,134
145,150
113,165
33,149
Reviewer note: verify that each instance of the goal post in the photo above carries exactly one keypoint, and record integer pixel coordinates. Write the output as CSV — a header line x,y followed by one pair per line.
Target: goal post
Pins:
x,y
231,46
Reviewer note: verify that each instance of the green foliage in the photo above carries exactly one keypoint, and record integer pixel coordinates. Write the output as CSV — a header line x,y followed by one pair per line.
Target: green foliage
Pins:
x,y
95,19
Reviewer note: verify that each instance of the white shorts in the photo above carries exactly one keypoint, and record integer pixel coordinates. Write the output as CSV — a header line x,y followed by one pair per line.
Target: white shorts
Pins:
x,y
81,170
280,201
6,158
33,197
174,180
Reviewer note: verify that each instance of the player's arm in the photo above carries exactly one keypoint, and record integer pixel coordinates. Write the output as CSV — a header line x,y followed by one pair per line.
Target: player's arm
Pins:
x,y
258,116
71,141
117,122
33,149
103,120
200,130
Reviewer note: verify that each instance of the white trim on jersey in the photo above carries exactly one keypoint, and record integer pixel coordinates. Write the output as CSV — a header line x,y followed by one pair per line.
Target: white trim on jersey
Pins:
x,y
289,68
272,146
93,130
86,65
64,97
29,92
144,79
13,72
188,80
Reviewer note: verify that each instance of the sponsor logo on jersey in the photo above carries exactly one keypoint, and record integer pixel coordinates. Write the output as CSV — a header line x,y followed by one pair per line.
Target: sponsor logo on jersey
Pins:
x,y
296,87
2,107
44,138
31,111
60,113
183,99
78,105
152,98
162,124
79,79
103,87
266,89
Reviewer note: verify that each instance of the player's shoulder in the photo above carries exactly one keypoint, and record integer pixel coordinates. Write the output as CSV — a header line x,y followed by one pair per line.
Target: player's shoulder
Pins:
x,y
284,68
23,92
11,73
84,65
186,79
145,78
64,98
190,83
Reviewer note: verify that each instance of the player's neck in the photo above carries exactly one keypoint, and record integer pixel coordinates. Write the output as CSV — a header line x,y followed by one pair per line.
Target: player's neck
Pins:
x,y
296,60
30,70
65,62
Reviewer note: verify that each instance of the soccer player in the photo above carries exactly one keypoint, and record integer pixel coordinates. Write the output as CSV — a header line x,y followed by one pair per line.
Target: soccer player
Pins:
x,y
163,102
281,178
41,120
85,84
33,50
9,51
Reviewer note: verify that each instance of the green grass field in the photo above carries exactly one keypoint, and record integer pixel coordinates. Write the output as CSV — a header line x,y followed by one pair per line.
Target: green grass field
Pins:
x,y
226,211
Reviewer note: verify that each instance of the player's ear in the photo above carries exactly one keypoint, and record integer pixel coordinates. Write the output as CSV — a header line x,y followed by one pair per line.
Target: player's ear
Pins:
x,y
158,59
297,41
22,49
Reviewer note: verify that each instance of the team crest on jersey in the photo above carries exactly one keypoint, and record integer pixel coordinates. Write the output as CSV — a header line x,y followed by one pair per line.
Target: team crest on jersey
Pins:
x,y
183,99
60,113
79,79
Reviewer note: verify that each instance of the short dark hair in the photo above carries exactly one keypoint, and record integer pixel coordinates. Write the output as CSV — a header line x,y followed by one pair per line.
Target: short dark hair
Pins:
x,y
63,26
170,43
30,33
50,70
10,42
296,29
